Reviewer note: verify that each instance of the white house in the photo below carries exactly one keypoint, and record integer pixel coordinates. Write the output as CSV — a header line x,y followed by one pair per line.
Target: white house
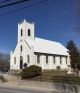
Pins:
x,y
37,51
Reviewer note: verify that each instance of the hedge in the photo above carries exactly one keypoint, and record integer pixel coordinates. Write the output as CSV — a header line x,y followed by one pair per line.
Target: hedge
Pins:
x,y
31,72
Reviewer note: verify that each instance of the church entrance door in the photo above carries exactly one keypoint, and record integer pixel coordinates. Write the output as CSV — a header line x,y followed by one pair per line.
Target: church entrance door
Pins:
x,y
21,62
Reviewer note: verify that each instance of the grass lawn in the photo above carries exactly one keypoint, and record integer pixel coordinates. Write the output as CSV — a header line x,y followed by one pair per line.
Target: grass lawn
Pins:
x,y
57,77
47,76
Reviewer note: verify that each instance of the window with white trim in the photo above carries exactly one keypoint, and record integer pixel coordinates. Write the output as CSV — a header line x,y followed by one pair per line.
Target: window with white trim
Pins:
x,y
14,60
28,58
60,60
54,59
21,48
38,58
29,32
46,59
21,32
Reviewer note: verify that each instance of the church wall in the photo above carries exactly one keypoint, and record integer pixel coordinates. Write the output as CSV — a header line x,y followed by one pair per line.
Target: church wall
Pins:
x,y
30,52
59,61
42,61
46,65
33,59
64,62
54,62
15,53
51,62
68,60
11,60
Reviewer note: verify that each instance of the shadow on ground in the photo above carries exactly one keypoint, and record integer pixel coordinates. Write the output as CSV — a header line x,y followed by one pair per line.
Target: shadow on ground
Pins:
x,y
67,88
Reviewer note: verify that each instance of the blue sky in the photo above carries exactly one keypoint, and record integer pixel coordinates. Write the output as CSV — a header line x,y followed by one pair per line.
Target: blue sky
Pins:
x,y
54,20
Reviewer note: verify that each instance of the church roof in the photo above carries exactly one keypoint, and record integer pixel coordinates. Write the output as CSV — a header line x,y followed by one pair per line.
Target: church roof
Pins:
x,y
47,46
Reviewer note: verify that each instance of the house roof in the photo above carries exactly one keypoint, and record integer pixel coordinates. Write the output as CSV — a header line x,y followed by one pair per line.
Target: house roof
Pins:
x,y
47,46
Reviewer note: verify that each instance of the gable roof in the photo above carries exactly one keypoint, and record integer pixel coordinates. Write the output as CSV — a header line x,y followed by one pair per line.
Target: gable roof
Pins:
x,y
47,46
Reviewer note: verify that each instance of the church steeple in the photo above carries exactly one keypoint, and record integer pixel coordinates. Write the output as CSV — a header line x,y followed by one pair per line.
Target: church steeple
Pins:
x,y
25,31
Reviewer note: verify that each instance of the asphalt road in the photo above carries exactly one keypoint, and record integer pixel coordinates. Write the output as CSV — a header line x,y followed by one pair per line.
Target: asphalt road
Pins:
x,y
23,90
18,90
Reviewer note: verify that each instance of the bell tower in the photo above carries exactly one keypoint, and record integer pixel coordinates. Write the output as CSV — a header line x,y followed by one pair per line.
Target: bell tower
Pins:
x,y
25,31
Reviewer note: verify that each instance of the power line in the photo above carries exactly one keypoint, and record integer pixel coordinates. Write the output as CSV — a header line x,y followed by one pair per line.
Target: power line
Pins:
x,y
35,4
10,4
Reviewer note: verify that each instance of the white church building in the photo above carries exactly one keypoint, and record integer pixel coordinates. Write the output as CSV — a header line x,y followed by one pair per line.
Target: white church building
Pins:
x,y
37,51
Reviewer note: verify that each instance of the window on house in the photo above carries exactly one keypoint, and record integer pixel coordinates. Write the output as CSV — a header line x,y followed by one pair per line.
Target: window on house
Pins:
x,y
54,59
14,60
29,32
46,59
66,60
21,48
60,60
28,58
38,58
21,32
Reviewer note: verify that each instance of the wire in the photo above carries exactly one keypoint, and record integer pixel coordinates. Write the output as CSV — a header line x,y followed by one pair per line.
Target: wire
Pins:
x,y
10,4
35,4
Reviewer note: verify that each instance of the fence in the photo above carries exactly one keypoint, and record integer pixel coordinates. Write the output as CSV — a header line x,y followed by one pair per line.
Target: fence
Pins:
x,y
66,79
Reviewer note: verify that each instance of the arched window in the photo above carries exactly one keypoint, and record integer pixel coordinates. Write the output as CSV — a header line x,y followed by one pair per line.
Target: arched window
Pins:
x,y
14,60
21,32
21,62
38,58
54,59
21,48
28,58
66,60
46,59
60,60
29,32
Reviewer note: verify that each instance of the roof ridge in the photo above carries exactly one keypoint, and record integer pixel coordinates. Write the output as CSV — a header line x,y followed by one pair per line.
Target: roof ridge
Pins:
x,y
47,40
